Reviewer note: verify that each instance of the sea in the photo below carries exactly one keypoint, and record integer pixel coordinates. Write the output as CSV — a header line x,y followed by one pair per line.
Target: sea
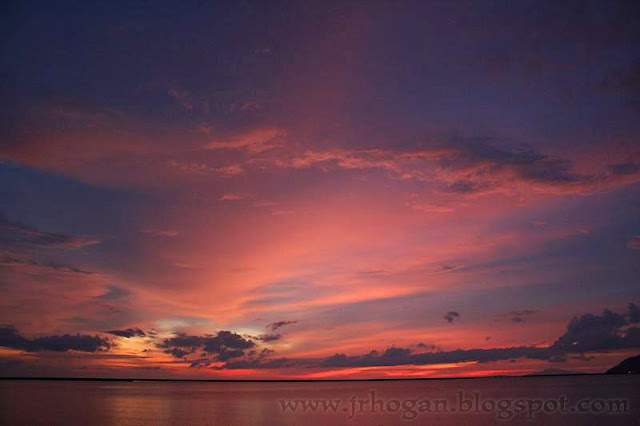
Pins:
x,y
553,400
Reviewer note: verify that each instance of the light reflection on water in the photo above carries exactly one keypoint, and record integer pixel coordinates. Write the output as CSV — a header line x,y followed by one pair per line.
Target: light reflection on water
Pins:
x,y
205,403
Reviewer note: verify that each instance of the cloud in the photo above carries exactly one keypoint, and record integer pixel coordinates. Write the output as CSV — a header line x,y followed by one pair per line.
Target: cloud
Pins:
x,y
192,168
449,268
467,167
177,352
445,269
38,267
114,293
230,170
608,331
128,333
268,337
224,346
399,356
254,141
587,333
277,363
232,197
182,97
10,338
278,324
467,186
583,357
16,232
624,169
265,352
391,356
634,313
154,232
451,315
519,316
272,336
429,208
427,346
226,354
634,243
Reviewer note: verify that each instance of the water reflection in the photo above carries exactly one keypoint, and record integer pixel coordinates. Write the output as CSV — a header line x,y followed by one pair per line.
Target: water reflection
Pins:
x,y
200,403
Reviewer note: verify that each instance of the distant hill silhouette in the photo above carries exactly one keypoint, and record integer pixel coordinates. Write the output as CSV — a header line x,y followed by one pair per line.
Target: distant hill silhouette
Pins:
x,y
551,372
630,365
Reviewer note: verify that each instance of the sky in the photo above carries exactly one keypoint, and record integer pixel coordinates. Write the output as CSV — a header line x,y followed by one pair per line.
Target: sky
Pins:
x,y
302,189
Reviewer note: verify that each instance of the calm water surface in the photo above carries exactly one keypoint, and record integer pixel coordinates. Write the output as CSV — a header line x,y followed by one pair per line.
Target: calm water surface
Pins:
x,y
404,402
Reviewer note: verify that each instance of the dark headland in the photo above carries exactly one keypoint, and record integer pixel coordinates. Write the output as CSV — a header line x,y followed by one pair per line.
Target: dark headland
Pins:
x,y
630,365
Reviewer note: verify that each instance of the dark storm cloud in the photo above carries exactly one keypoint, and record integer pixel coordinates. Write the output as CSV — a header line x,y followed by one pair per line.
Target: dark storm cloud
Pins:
x,y
227,339
403,356
10,338
177,352
398,356
584,334
128,333
265,352
430,347
391,356
268,337
227,354
276,325
450,316
202,362
225,345
608,331
19,233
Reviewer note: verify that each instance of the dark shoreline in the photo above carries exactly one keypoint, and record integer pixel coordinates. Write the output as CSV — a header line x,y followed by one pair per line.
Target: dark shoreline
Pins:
x,y
103,379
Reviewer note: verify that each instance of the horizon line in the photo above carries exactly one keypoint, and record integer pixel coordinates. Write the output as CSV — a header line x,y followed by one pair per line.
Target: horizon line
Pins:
x,y
118,379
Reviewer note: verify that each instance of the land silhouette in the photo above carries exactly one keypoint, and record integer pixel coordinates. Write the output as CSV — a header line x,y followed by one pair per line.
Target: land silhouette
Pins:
x,y
630,365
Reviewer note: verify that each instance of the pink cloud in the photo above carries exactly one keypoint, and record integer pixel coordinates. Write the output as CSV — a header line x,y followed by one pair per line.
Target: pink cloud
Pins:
x,y
253,141
155,232
232,196
231,170
634,243
182,98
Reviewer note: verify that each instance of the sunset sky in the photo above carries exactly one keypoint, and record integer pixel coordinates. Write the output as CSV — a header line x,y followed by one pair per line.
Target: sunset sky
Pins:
x,y
243,189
